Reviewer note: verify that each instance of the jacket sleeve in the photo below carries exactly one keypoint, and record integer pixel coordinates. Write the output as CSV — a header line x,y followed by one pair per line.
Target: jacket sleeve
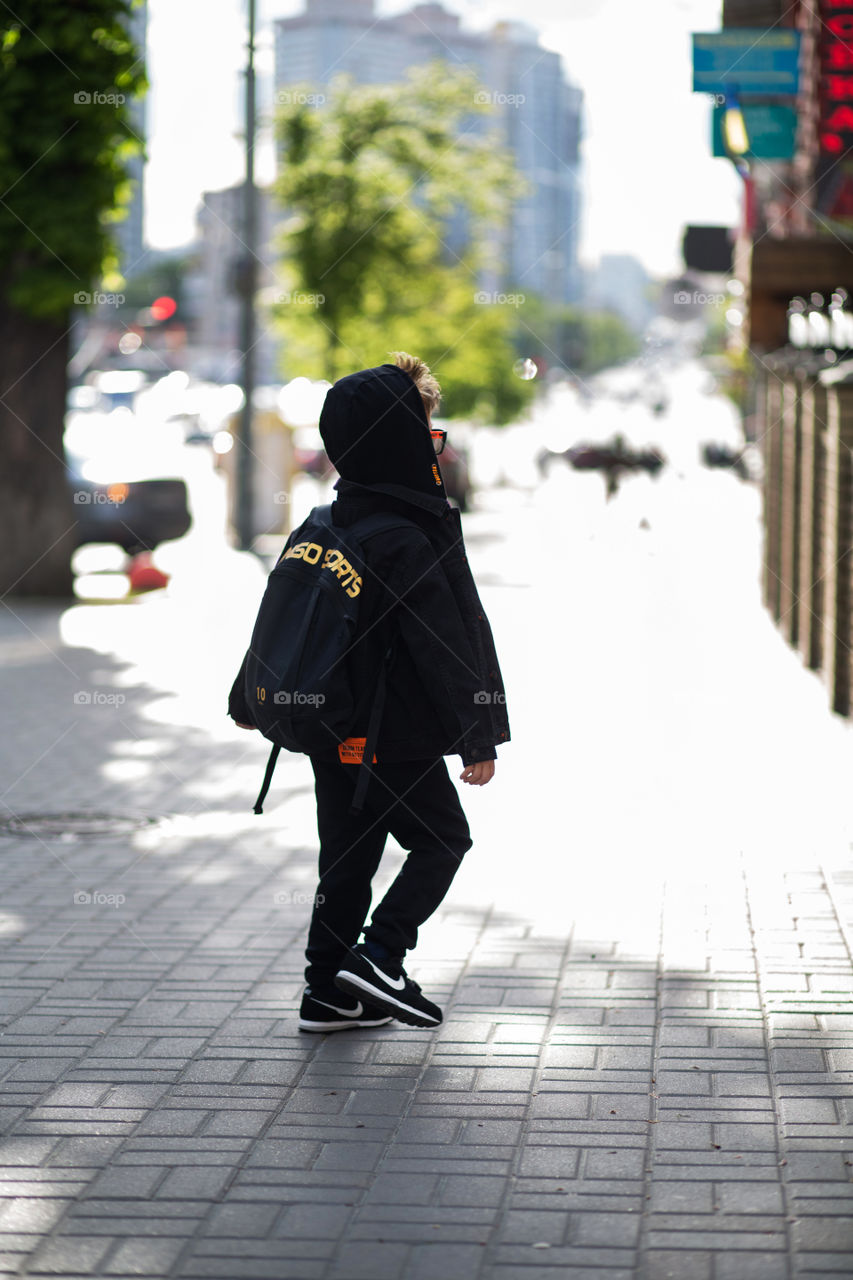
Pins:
x,y
434,632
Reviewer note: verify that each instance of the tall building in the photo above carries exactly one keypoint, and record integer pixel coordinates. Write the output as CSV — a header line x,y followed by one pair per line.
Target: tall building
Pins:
x,y
536,109
620,284
129,232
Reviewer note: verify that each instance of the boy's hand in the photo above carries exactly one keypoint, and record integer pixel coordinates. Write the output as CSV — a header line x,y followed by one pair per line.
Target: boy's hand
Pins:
x,y
245,726
478,774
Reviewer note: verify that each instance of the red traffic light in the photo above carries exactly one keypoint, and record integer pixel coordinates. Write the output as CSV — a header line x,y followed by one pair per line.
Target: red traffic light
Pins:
x,y
163,308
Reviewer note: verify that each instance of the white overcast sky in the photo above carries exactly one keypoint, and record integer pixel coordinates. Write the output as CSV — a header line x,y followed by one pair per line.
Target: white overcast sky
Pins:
x,y
647,168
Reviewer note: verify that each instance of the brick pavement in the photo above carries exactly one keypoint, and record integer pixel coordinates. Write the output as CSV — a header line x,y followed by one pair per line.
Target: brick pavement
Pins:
x,y
663,1091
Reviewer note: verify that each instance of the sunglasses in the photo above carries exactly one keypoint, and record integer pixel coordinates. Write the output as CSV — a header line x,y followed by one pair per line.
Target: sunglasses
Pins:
x,y
439,439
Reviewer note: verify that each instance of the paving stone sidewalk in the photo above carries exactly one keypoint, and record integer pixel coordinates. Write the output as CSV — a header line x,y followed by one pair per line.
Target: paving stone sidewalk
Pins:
x,y
662,1090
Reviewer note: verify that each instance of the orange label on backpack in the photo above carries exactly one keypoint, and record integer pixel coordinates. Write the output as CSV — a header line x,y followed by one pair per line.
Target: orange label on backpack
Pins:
x,y
351,750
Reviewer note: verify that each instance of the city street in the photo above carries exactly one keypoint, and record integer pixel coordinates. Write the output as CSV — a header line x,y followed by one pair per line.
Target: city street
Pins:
x,y
646,1064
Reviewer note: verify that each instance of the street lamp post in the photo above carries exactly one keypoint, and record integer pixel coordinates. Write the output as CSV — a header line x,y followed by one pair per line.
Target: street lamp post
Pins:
x,y
247,285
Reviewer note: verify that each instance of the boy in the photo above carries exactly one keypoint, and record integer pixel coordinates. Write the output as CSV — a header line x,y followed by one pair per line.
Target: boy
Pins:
x,y
444,695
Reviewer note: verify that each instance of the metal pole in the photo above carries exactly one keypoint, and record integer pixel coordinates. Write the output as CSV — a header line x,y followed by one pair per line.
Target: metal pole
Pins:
x,y
247,281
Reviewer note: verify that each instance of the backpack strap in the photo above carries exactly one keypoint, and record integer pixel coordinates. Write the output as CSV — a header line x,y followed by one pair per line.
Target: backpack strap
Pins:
x,y
323,515
380,522
365,769
265,785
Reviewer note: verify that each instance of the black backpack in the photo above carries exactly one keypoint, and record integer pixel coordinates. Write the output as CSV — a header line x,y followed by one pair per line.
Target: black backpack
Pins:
x,y
297,678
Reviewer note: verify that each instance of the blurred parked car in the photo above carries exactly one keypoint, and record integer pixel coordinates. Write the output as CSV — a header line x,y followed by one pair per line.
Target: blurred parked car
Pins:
x,y
456,475
606,455
137,515
121,487
745,462
650,460
195,432
107,389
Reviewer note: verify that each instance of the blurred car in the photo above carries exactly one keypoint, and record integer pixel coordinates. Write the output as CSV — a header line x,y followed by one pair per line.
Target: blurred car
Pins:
x,y
456,475
650,460
121,487
588,457
137,515
745,462
606,455
194,430
107,389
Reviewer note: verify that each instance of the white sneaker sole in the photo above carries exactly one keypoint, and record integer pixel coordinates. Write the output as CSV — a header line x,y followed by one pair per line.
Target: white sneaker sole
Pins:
x,y
357,986
305,1024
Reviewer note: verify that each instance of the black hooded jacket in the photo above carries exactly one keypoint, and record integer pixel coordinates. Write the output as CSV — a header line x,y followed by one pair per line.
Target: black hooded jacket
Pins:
x,y
444,689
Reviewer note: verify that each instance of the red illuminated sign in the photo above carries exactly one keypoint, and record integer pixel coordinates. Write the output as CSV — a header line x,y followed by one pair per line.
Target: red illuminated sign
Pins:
x,y
836,88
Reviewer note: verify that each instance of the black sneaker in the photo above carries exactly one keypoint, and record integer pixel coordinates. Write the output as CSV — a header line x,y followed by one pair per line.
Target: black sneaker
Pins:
x,y
328,1010
387,985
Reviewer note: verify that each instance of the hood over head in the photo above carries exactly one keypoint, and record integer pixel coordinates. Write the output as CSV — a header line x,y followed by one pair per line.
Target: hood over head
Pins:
x,y
376,432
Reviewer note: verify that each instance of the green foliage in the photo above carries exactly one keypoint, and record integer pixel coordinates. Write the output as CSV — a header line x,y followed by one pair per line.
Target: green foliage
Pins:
x,y
577,339
735,373
468,344
372,180
607,340
716,337
64,139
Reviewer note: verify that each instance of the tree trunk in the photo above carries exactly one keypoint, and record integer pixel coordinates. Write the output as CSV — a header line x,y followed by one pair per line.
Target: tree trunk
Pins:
x,y
37,522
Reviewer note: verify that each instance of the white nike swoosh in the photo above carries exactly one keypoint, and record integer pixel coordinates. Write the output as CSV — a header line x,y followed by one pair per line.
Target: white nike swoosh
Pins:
x,y
348,1013
397,983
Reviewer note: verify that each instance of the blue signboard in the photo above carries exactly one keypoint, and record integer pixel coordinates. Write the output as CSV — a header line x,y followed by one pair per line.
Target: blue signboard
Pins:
x,y
745,60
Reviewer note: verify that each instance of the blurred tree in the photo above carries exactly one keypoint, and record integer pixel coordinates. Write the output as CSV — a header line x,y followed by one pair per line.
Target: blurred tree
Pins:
x,y
67,70
580,340
607,340
470,345
377,181
717,329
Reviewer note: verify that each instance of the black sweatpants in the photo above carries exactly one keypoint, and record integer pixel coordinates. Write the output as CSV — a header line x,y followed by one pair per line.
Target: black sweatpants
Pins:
x,y
417,803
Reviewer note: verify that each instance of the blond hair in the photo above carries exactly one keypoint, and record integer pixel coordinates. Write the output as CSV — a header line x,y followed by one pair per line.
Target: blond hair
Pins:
x,y
424,380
